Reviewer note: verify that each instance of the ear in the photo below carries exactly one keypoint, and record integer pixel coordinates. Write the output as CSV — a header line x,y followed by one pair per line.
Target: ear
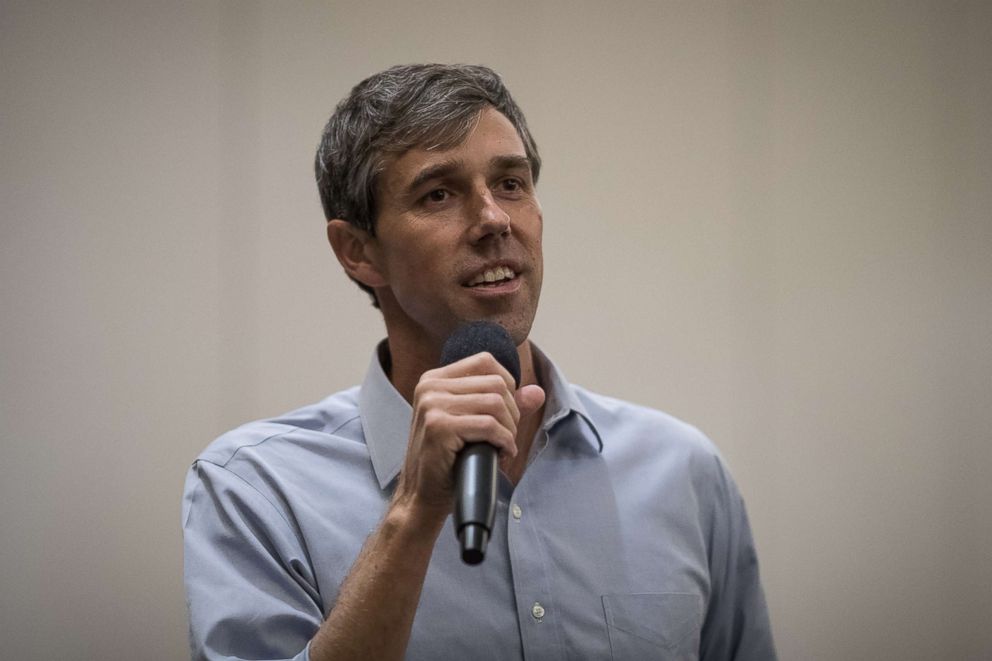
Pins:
x,y
357,251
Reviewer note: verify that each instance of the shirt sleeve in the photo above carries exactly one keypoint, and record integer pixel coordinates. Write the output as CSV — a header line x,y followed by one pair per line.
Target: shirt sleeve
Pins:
x,y
250,590
737,624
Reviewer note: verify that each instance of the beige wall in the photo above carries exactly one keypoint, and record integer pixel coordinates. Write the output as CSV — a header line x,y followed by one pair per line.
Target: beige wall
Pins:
x,y
771,219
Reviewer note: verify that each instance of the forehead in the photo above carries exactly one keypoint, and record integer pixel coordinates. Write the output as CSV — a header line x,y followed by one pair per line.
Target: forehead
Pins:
x,y
490,136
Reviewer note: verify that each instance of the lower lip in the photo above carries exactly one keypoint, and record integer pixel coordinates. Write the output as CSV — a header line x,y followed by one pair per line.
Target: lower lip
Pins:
x,y
502,289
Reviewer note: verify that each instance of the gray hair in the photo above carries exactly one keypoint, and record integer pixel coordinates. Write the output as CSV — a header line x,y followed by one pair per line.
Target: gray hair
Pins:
x,y
420,105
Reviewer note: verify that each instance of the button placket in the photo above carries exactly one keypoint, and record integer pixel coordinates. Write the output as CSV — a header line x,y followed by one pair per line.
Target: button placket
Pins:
x,y
539,628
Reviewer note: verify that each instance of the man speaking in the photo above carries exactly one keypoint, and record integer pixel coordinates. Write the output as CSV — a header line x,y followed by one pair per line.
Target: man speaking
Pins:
x,y
616,533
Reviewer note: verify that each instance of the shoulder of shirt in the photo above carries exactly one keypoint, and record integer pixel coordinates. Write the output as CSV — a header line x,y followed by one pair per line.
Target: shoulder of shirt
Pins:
x,y
608,414
633,430
322,418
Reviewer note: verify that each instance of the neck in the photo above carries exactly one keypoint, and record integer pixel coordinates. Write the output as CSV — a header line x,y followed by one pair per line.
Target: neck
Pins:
x,y
408,363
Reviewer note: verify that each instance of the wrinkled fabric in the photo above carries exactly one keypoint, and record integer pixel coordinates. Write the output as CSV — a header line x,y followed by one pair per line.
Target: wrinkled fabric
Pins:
x,y
626,538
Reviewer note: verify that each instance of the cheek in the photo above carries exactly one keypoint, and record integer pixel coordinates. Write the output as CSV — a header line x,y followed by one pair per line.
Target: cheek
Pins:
x,y
539,249
417,264
539,234
538,221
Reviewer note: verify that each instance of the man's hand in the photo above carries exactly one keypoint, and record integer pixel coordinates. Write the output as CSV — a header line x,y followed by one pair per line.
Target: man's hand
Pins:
x,y
469,401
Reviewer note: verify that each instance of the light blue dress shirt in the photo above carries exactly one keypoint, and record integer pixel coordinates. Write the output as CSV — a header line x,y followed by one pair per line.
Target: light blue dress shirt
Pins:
x,y
626,537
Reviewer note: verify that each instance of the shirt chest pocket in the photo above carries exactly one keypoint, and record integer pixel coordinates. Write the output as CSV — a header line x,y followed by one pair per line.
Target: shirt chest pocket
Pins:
x,y
664,626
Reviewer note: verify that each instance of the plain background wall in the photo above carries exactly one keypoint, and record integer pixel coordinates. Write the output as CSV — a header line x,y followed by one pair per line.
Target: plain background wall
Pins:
x,y
771,219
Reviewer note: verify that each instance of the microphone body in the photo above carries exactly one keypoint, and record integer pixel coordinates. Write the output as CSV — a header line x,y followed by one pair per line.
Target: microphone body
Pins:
x,y
476,472
476,469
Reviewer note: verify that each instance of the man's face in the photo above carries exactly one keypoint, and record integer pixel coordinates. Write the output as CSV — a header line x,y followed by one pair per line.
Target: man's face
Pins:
x,y
458,237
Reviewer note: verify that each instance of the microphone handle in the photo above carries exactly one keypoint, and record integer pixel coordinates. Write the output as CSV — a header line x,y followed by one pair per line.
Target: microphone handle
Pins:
x,y
475,499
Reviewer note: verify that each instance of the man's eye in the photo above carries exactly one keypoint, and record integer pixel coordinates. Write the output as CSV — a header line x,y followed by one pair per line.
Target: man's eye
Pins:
x,y
511,184
437,195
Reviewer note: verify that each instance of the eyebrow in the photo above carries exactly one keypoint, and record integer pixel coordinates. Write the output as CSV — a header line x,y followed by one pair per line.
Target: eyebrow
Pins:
x,y
445,168
509,162
436,171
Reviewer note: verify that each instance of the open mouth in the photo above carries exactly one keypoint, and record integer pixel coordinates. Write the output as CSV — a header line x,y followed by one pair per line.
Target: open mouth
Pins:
x,y
492,277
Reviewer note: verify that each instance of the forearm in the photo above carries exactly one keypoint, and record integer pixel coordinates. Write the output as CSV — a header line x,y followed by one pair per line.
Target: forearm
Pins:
x,y
375,608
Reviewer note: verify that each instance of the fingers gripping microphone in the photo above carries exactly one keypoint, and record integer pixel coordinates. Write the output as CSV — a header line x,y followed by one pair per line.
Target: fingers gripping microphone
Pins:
x,y
475,466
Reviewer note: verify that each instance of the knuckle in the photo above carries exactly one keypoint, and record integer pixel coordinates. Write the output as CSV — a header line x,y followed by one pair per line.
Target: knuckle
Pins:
x,y
506,439
433,418
515,414
495,382
422,388
428,399
488,362
492,400
495,427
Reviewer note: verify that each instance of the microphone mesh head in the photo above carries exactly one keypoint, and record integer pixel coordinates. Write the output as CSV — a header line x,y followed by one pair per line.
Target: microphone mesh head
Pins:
x,y
478,336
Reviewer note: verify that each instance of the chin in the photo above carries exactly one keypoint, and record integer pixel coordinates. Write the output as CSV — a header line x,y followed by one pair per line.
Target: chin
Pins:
x,y
517,320
518,328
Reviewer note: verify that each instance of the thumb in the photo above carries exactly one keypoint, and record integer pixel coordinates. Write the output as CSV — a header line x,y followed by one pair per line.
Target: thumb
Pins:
x,y
529,399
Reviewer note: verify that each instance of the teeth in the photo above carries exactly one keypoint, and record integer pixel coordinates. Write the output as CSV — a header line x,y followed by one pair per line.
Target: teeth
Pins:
x,y
493,275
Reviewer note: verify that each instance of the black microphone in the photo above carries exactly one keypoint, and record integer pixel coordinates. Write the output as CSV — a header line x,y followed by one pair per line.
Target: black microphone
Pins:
x,y
475,466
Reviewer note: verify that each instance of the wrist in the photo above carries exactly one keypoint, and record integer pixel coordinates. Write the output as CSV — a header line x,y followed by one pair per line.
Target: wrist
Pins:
x,y
413,521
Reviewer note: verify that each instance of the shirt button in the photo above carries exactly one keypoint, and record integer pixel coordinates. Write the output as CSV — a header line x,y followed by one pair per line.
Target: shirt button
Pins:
x,y
537,610
516,511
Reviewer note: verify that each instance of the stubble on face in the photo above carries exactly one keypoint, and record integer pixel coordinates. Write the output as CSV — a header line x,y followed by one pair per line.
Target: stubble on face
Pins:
x,y
438,228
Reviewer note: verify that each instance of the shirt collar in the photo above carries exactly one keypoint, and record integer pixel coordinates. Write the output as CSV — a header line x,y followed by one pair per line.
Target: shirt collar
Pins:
x,y
562,399
386,416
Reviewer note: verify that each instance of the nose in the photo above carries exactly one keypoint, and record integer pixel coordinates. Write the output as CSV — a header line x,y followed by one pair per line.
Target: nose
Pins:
x,y
490,220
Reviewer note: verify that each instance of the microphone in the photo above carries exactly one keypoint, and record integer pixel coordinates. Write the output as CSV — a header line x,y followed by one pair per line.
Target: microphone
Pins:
x,y
475,466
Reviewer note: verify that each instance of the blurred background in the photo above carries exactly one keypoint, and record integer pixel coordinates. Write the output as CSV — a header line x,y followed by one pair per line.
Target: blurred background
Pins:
x,y
771,219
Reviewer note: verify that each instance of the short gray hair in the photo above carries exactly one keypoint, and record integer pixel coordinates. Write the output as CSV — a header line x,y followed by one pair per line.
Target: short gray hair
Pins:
x,y
418,105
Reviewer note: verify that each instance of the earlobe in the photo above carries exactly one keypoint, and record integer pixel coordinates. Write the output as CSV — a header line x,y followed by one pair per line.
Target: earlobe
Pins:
x,y
356,251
